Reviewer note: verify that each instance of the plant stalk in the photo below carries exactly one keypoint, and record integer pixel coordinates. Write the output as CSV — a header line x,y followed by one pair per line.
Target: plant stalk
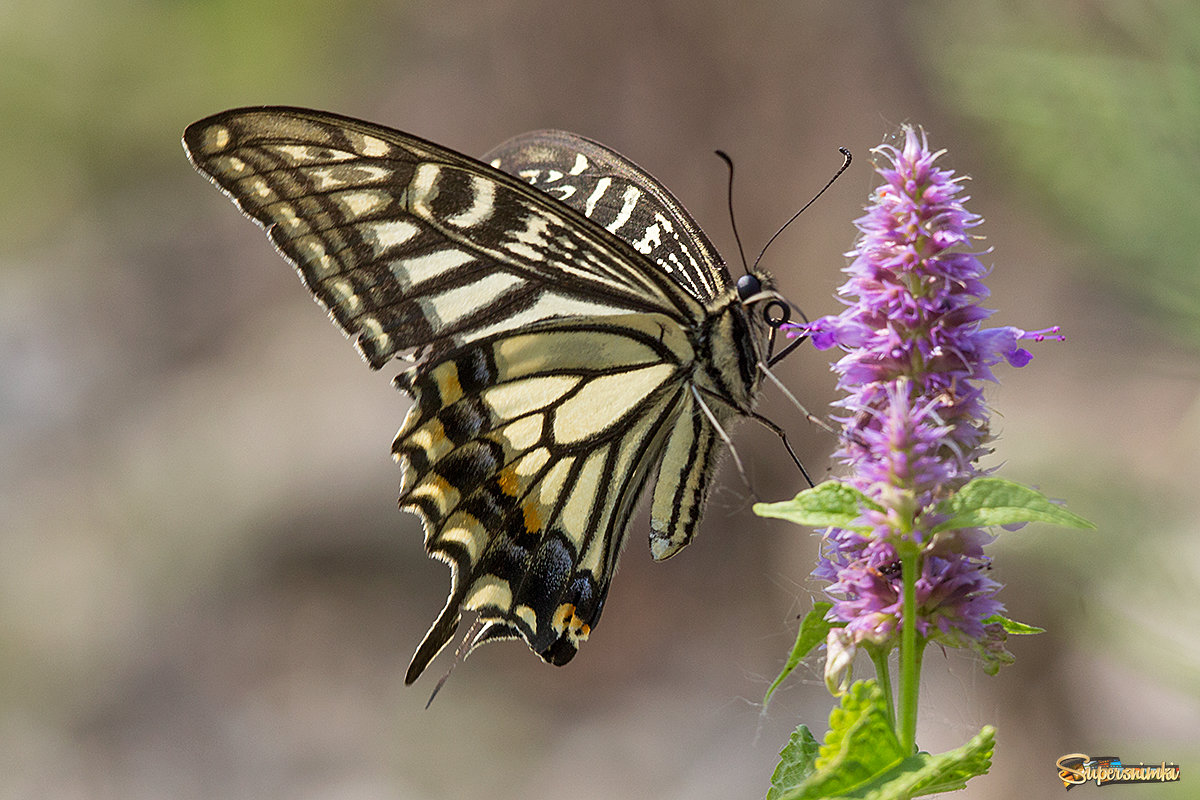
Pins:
x,y
910,655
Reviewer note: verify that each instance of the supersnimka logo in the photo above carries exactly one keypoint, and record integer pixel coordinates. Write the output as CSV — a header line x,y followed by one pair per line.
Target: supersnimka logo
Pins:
x,y
1075,769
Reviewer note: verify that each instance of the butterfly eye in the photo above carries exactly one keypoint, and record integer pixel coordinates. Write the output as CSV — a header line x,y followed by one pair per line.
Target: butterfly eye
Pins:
x,y
747,287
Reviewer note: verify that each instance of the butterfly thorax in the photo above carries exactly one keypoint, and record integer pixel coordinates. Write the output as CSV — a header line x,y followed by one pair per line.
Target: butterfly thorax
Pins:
x,y
730,345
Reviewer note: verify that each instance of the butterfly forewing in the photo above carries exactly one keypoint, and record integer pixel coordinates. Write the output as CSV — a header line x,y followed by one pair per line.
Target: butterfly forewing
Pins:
x,y
561,334
410,245
627,201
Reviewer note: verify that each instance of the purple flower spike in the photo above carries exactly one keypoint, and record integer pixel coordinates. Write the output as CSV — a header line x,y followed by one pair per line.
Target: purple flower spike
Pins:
x,y
914,420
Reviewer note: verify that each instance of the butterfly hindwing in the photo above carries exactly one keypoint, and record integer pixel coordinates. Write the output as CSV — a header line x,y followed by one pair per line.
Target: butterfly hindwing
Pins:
x,y
562,337
525,459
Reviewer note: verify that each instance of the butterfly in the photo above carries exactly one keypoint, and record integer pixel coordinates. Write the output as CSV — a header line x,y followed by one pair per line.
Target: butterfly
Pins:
x,y
568,331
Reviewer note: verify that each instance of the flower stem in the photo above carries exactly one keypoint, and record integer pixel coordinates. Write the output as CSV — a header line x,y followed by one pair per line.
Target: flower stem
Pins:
x,y
910,655
883,676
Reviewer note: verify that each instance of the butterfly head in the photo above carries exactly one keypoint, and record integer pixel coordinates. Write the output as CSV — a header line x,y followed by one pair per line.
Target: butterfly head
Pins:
x,y
757,295
767,310
758,289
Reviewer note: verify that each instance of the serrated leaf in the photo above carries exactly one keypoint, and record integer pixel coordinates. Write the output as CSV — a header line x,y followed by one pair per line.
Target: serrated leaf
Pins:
x,y
1012,626
995,501
831,504
861,758
812,632
924,774
859,747
796,762
861,743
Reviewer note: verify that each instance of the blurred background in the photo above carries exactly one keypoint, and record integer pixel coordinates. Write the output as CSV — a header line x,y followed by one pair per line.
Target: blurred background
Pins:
x,y
206,589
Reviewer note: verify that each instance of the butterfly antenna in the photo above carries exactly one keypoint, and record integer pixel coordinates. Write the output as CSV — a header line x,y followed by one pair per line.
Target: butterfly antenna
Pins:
x,y
724,437
845,165
729,201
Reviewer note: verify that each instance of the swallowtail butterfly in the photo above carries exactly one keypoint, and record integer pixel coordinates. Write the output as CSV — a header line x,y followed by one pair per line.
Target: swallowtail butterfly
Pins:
x,y
569,332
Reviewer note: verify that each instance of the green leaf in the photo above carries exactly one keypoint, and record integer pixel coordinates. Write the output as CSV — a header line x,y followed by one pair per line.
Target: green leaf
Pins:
x,y
831,504
796,762
994,501
945,772
812,632
861,758
859,747
1012,626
